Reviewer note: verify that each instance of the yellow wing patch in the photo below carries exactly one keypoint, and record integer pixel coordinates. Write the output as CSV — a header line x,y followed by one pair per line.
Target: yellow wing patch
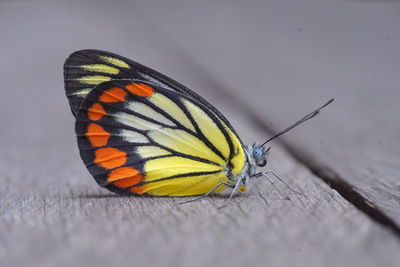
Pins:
x,y
155,169
186,186
82,92
151,151
184,143
94,79
133,137
209,128
100,68
149,112
136,122
115,61
173,109
239,157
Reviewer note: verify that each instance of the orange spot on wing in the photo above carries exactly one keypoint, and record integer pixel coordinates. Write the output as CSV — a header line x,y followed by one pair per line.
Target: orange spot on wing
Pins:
x,y
109,157
140,89
96,135
113,95
96,112
124,177
138,189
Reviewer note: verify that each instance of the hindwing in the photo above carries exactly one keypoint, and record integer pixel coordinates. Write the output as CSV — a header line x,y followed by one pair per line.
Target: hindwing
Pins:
x,y
137,137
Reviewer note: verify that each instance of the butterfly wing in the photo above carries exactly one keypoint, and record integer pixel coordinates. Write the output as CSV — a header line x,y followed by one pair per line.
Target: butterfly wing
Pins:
x,y
137,137
85,69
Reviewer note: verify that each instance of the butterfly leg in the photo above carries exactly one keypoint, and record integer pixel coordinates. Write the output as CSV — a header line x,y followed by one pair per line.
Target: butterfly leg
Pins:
x,y
206,194
282,180
265,174
231,195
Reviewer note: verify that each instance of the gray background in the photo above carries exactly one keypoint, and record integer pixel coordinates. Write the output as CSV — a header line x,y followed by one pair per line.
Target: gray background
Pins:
x,y
263,64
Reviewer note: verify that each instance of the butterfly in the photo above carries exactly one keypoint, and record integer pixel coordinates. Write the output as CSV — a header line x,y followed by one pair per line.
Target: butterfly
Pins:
x,y
140,132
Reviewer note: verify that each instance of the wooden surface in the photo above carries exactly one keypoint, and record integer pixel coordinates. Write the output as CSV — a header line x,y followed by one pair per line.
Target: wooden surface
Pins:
x,y
53,213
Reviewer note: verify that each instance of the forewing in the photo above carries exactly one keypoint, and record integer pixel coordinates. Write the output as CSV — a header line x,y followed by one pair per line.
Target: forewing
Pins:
x,y
85,69
136,137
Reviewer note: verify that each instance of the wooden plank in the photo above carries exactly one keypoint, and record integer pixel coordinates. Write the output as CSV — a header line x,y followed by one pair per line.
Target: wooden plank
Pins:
x,y
53,213
283,59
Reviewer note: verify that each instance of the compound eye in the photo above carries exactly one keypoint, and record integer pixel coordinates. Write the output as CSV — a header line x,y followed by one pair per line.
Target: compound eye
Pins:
x,y
258,154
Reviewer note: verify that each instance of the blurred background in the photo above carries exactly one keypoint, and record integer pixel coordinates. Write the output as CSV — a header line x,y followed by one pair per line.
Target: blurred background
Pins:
x,y
273,61
272,55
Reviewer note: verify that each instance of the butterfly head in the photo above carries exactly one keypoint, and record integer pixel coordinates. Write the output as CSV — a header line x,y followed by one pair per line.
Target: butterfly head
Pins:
x,y
260,155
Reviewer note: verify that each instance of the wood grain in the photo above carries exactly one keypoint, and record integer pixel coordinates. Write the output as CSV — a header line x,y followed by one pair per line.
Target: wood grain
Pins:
x,y
53,213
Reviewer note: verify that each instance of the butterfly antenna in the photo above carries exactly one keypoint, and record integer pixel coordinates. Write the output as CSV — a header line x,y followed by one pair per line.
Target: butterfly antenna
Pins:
x,y
305,118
